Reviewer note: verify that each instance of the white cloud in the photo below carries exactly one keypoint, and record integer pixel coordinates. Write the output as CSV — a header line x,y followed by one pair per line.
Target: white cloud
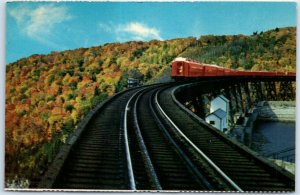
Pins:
x,y
140,31
38,23
130,31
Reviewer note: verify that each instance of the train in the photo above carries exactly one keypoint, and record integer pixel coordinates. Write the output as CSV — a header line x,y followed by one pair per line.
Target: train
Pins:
x,y
188,68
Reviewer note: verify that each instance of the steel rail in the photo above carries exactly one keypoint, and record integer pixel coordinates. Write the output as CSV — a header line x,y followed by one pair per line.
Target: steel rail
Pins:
x,y
128,157
232,183
177,147
55,168
143,147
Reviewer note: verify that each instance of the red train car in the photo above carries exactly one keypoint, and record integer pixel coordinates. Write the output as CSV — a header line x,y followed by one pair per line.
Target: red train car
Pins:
x,y
182,67
177,69
291,74
227,72
210,70
195,69
280,73
187,68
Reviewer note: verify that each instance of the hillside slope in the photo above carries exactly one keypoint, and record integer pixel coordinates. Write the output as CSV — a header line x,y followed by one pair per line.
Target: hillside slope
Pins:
x,y
47,95
274,50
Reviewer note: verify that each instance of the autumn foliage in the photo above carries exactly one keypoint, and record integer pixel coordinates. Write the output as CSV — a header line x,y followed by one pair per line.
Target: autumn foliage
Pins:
x,y
48,95
274,50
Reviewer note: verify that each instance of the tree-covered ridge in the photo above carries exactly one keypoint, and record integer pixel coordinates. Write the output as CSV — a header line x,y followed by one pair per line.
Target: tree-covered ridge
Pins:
x,y
274,50
47,95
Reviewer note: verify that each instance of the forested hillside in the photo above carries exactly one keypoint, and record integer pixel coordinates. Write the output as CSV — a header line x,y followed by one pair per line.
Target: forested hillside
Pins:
x,y
47,95
274,50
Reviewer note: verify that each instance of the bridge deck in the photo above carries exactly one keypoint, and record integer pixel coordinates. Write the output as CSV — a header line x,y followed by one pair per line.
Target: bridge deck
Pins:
x,y
249,172
98,158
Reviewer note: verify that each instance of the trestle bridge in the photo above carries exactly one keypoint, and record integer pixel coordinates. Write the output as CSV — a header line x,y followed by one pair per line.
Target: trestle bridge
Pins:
x,y
147,139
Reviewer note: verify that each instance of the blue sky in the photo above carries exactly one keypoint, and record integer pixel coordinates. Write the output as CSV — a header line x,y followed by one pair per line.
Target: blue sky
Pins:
x,y
42,27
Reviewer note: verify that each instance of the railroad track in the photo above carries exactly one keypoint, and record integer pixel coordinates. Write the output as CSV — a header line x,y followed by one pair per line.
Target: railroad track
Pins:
x,y
246,170
97,159
126,147
142,140
169,169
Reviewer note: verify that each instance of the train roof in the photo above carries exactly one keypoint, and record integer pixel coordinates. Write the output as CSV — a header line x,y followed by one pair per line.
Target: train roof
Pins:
x,y
185,59
214,65
191,60
180,59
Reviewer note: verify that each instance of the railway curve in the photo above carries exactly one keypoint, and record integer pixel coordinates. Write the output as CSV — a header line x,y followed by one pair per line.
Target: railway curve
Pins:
x,y
249,171
169,163
95,155
144,139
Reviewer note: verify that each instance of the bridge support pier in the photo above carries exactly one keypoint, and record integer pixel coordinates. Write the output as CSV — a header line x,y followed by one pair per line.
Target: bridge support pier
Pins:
x,y
246,92
240,98
271,90
256,89
286,90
